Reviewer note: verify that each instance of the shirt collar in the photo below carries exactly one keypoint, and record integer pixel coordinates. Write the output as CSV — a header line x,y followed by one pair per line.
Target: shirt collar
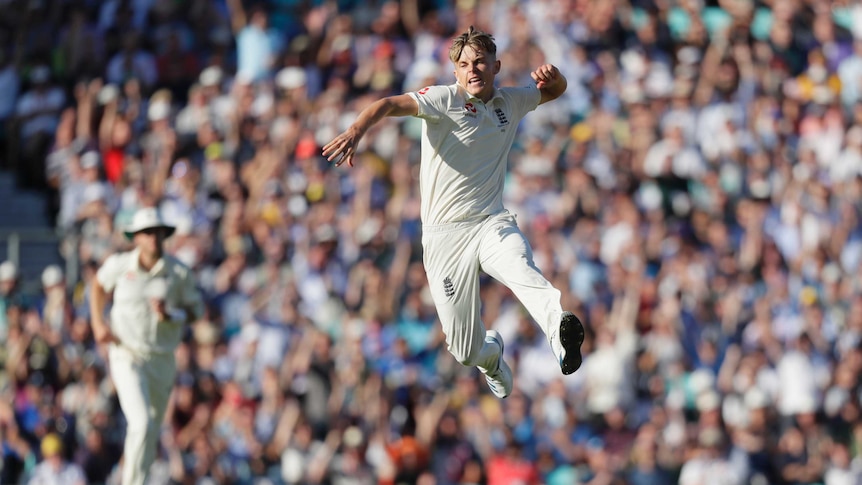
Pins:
x,y
472,98
136,263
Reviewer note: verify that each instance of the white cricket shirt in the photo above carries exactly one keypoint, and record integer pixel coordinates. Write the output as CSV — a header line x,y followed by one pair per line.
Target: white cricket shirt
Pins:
x,y
465,148
132,318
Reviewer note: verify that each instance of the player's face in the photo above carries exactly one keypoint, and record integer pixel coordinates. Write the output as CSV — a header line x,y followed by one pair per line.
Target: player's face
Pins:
x,y
475,71
150,240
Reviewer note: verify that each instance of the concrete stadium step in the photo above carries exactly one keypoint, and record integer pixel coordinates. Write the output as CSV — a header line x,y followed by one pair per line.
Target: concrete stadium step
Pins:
x,y
21,208
26,231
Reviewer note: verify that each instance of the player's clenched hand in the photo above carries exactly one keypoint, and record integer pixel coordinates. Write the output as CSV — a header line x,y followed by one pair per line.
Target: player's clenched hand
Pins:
x,y
159,308
102,335
545,74
342,148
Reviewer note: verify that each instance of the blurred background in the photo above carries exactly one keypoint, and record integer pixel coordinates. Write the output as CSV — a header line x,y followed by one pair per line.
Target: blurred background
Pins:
x,y
695,195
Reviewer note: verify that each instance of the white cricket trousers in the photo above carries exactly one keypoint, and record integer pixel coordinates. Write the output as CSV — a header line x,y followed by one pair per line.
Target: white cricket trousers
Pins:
x,y
453,256
143,386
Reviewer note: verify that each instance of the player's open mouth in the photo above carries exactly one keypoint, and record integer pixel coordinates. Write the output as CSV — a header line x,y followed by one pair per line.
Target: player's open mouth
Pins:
x,y
475,81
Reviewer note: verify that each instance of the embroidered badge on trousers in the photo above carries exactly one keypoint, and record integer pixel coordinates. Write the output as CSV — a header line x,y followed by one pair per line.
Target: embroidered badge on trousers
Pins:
x,y
448,287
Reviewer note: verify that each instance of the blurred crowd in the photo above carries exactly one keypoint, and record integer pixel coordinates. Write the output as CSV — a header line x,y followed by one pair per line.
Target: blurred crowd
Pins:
x,y
696,194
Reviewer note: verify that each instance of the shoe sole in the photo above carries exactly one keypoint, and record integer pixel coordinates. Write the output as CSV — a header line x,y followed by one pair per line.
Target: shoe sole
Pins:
x,y
571,338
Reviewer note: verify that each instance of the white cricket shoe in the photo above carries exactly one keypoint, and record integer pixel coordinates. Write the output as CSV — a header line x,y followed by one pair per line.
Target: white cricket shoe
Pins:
x,y
500,379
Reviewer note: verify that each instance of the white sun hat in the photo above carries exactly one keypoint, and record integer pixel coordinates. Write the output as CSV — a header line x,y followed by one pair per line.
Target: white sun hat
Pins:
x,y
52,276
147,218
291,77
8,271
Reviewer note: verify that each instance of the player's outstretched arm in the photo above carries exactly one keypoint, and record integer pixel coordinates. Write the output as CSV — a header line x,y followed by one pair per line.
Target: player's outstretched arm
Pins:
x,y
342,148
550,81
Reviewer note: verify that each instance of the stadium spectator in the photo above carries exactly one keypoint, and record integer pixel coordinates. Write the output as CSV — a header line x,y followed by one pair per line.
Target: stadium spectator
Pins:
x,y
54,468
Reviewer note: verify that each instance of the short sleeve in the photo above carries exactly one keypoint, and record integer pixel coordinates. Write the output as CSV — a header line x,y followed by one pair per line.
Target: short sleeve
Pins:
x,y
433,102
524,99
110,272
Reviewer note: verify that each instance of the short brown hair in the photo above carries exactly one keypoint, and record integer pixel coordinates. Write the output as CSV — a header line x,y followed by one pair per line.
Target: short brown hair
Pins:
x,y
474,38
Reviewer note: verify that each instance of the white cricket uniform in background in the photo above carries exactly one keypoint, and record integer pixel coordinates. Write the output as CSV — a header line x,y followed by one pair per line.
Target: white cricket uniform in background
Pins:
x,y
142,365
464,157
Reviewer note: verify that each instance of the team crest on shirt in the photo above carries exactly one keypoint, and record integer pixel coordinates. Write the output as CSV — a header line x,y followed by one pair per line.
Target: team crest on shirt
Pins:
x,y
502,120
470,110
448,287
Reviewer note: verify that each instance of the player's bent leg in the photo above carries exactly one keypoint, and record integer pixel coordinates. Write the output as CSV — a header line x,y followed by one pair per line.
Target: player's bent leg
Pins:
x,y
161,373
506,255
485,353
452,266
133,393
